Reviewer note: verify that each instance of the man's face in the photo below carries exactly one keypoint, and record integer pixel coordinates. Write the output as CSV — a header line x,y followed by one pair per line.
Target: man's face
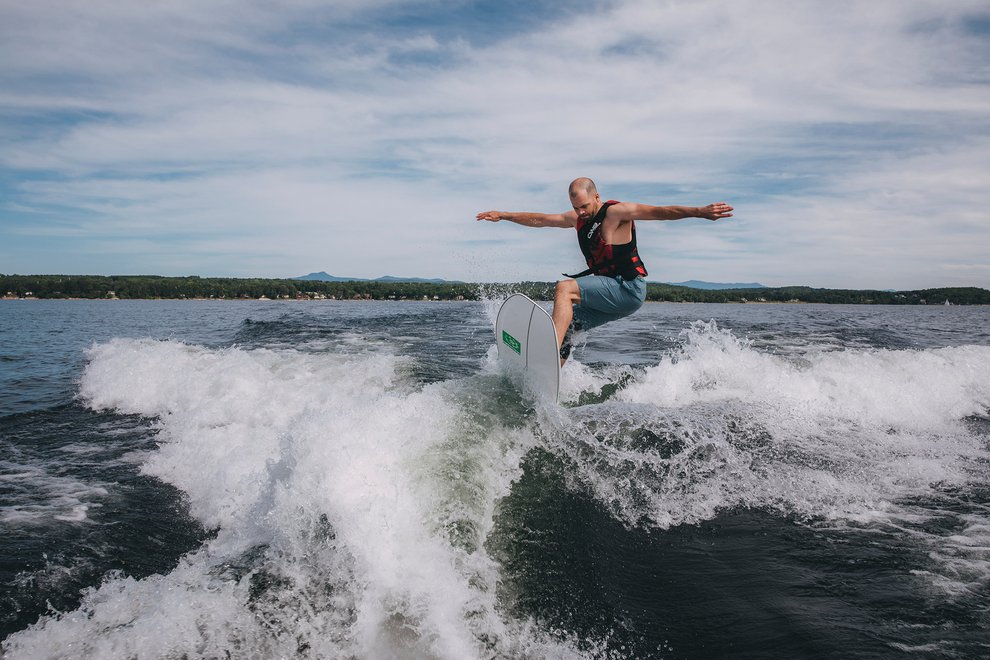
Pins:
x,y
586,205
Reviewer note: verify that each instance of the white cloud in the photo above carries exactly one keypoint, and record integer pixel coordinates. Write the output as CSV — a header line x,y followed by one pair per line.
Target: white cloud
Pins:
x,y
850,136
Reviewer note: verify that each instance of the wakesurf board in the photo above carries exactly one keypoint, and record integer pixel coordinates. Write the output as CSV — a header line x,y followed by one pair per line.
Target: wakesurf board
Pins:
x,y
527,343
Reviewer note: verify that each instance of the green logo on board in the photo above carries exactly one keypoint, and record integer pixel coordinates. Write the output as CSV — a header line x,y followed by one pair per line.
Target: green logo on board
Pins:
x,y
511,342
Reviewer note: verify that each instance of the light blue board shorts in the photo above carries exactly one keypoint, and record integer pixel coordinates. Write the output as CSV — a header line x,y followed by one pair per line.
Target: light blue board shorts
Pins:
x,y
605,299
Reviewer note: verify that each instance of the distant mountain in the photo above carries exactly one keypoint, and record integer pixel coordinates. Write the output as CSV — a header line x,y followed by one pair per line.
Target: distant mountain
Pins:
x,y
421,280
325,277
697,284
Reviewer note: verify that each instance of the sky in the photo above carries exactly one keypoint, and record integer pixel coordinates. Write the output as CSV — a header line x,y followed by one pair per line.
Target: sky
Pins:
x,y
246,138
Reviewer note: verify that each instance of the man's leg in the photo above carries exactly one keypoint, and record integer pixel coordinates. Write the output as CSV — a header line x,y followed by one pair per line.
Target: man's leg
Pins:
x,y
601,299
565,297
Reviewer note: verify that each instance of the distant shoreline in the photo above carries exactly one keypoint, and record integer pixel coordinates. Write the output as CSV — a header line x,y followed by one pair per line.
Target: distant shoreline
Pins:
x,y
450,301
149,287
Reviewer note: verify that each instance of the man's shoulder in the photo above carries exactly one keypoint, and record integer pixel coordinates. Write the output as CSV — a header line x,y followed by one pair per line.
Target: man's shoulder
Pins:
x,y
616,211
614,206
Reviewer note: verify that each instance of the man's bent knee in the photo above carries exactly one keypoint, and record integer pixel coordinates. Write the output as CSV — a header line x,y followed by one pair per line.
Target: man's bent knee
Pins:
x,y
570,289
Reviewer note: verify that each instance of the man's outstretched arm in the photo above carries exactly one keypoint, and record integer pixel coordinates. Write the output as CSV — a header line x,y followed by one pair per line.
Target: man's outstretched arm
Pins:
x,y
629,211
568,219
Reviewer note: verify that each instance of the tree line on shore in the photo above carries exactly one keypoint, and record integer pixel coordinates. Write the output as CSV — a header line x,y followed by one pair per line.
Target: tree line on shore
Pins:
x,y
157,287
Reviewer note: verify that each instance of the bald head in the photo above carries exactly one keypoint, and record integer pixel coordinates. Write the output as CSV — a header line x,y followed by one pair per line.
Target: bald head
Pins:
x,y
584,198
582,184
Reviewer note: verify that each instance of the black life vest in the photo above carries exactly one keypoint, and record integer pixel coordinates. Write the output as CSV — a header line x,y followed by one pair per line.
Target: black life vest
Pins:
x,y
603,258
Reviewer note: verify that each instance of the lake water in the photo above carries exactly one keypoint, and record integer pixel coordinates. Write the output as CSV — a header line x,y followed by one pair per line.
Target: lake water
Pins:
x,y
359,480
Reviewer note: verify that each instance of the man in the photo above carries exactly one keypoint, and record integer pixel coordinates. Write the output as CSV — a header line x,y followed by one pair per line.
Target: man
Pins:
x,y
613,286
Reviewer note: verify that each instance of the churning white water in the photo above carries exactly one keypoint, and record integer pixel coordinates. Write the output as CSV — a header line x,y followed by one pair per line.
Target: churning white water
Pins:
x,y
350,511
349,504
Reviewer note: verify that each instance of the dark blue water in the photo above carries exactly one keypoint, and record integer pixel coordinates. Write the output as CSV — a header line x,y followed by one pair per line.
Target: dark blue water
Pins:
x,y
358,479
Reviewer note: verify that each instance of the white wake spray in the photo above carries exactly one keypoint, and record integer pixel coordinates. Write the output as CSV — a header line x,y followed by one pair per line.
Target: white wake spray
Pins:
x,y
350,512
847,437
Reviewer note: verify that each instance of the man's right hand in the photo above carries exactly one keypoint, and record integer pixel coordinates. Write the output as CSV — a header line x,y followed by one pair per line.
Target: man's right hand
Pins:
x,y
490,216
715,211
